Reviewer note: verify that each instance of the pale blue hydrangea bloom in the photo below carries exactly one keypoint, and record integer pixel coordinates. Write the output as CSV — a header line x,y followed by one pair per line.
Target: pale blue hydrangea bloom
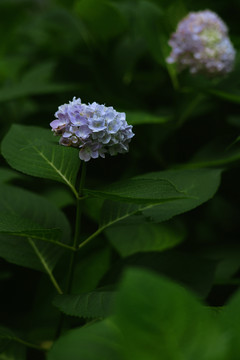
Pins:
x,y
201,43
95,129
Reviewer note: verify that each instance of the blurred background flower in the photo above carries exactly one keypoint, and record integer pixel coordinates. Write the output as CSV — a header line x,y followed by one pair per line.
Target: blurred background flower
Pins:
x,y
201,43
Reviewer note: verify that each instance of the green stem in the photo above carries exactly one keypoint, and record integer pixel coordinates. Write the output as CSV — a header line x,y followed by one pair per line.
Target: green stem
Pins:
x,y
28,344
96,233
74,246
77,227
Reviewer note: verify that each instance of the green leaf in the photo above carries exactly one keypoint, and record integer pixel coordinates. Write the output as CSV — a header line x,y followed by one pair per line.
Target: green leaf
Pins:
x,y
160,319
235,98
8,338
149,20
226,256
7,175
94,342
39,73
90,269
218,153
144,237
13,224
35,81
96,304
60,196
34,151
93,208
161,195
25,216
13,351
139,118
184,186
149,188
19,90
102,17
230,318
154,318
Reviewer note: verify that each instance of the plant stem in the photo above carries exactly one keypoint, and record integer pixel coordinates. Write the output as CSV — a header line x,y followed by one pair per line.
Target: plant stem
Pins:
x,y
75,243
77,227
28,344
96,233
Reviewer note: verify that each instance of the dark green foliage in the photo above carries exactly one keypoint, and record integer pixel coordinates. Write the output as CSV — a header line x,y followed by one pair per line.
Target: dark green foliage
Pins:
x,y
153,318
97,304
144,263
34,151
25,216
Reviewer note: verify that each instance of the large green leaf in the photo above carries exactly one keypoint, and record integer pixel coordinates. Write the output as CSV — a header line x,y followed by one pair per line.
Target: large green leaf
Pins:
x,y
98,341
150,188
156,196
161,320
230,318
144,237
96,304
13,224
232,97
218,153
32,229
184,186
154,319
34,151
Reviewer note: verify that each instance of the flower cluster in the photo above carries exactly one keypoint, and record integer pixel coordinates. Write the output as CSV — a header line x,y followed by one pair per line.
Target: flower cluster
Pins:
x,y
201,43
95,129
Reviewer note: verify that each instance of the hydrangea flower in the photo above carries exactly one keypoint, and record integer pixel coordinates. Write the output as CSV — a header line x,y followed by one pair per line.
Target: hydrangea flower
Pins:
x,y
201,43
95,129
